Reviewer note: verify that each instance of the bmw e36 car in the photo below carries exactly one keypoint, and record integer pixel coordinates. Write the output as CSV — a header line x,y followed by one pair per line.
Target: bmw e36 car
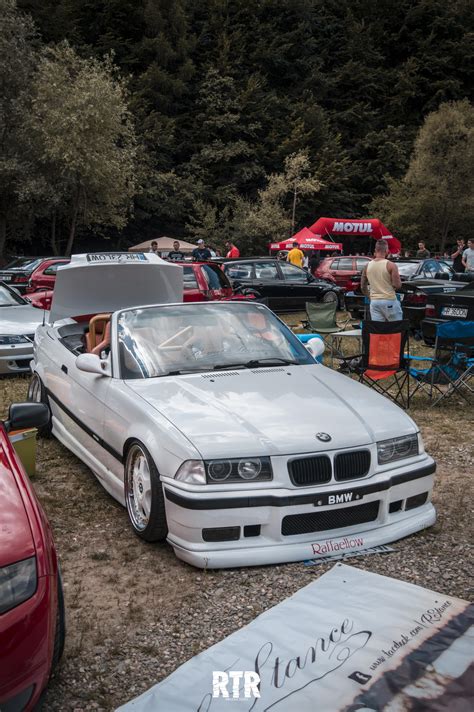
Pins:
x,y
18,322
216,427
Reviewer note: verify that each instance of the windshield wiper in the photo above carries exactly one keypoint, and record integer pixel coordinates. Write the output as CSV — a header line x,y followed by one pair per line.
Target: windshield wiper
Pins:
x,y
255,363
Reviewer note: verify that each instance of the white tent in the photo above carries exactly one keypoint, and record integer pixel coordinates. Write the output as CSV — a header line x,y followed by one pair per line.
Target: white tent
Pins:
x,y
165,244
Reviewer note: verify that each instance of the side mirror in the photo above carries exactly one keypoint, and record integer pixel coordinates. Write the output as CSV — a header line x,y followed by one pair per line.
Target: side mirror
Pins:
x,y
91,363
27,415
315,347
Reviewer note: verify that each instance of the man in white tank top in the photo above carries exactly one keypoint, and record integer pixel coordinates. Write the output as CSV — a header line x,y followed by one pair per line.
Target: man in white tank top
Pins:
x,y
380,279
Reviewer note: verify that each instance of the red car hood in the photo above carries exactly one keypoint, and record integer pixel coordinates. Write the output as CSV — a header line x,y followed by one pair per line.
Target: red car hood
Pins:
x,y
16,540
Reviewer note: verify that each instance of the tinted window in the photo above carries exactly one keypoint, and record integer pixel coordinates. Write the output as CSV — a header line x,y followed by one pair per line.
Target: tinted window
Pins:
x,y
429,269
52,269
214,277
238,271
28,264
345,263
360,264
189,280
266,270
294,274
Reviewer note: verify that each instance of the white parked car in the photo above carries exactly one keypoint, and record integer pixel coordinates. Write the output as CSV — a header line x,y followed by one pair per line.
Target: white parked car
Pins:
x,y
216,427
18,322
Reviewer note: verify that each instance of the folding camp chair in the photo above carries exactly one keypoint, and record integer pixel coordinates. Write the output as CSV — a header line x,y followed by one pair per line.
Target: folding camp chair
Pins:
x,y
322,320
382,365
454,357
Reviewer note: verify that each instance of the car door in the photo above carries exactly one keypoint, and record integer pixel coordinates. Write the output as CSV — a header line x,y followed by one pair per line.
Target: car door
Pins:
x,y
344,271
77,399
268,281
299,287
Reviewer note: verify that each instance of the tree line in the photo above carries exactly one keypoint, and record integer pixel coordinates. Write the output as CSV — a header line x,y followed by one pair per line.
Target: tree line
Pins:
x,y
122,120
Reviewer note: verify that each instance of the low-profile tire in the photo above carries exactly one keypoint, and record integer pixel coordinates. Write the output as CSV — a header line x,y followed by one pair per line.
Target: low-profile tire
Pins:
x,y
37,394
329,297
144,494
60,631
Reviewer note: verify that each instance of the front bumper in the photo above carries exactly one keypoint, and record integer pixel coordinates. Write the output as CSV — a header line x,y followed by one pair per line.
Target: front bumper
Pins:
x,y
398,503
15,358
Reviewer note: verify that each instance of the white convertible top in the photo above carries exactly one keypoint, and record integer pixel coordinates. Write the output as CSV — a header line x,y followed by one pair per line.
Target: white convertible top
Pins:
x,y
108,281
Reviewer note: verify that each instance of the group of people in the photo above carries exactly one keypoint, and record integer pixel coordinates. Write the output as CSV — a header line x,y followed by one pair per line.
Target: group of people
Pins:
x,y
201,253
462,256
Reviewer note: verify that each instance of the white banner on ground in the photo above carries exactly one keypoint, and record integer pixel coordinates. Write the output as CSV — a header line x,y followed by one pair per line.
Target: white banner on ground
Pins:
x,y
343,555
350,641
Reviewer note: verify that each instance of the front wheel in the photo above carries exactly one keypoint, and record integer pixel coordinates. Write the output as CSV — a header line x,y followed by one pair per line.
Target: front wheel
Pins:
x,y
144,495
329,297
37,394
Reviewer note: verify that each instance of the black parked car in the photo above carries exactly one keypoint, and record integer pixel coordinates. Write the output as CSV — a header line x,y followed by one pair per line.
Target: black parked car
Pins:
x,y
420,279
457,306
285,286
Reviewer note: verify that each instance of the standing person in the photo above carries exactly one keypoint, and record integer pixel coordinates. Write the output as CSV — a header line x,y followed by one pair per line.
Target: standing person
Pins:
x,y
468,257
380,279
295,256
422,253
313,262
201,253
457,255
176,255
233,251
154,247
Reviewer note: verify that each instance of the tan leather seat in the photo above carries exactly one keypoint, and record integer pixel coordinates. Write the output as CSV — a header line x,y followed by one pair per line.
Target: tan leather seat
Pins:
x,y
97,330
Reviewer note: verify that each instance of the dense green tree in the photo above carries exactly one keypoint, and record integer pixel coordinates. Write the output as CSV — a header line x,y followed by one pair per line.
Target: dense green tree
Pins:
x,y
82,131
17,58
435,199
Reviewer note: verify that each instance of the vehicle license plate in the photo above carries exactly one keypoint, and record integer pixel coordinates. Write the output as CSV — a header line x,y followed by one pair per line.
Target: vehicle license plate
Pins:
x,y
116,257
5,277
323,500
454,311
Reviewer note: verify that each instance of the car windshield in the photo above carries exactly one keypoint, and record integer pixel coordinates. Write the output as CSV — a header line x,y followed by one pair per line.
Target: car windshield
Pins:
x,y
407,269
186,338
8,298
28,264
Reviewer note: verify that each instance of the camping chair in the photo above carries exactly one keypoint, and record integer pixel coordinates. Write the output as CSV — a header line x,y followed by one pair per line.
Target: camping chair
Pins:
x,y
322,320
382,365
454,357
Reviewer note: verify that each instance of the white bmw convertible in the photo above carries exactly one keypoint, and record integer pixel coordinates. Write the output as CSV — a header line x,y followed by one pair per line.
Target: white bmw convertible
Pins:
x,y
216,427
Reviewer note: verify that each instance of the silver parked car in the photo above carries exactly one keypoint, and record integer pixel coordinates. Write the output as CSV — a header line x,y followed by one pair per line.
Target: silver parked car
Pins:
x,y
18,322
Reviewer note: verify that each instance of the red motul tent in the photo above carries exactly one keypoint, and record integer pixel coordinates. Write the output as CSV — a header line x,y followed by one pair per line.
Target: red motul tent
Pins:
x,y
306,241
375,229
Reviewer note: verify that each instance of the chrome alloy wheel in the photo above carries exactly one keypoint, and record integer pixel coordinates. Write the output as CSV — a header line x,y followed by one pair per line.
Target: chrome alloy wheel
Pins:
x,y
35,394
138,487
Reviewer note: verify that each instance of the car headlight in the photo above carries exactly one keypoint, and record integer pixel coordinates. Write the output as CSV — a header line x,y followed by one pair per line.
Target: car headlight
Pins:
x,y
7,340
17,583
397,449
216,472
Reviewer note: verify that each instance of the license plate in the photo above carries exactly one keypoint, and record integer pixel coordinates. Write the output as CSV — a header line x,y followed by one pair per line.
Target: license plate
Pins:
x,y
323,500
116,257
5,277
454,311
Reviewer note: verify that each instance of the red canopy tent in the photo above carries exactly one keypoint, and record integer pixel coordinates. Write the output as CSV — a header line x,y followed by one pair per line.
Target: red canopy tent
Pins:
x,y
306,240
373,228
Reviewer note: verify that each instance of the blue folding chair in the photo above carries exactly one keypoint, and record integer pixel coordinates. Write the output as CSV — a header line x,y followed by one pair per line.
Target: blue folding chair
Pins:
x,y
452,364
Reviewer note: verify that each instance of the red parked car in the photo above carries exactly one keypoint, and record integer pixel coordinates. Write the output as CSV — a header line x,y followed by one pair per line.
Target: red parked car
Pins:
x,y
32,626
44,276
205,281
343,271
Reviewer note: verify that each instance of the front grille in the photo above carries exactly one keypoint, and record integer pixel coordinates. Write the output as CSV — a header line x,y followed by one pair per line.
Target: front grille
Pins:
x,y
330,519
310,470
351,465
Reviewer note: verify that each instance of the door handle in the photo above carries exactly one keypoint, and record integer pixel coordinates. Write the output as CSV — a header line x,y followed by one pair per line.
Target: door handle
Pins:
x,y
64,368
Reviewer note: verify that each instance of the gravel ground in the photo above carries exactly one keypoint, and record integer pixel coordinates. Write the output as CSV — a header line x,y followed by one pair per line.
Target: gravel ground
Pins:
x,y
135,613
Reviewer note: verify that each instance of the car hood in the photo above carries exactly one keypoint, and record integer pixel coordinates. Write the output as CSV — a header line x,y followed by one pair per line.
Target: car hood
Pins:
x,y
21,319
16,540
273,411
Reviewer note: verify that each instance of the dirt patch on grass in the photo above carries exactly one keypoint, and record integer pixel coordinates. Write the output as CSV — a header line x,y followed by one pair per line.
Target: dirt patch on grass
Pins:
x,y
135,613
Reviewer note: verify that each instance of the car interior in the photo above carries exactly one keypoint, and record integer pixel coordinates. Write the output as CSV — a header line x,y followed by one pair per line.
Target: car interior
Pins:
x,y
90,336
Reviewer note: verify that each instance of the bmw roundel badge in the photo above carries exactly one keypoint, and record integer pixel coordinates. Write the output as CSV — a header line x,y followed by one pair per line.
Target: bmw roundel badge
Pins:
x,y
324,437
